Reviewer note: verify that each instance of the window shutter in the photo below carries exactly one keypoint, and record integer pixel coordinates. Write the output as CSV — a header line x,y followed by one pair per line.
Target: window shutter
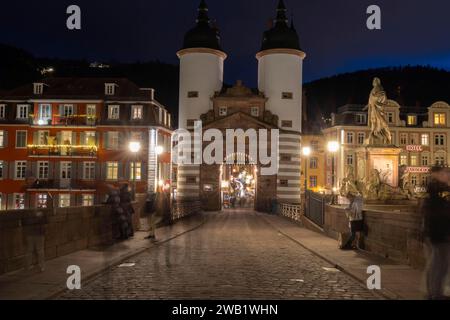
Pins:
x,y
120,174
5,138
51,169
27,199
75,109
5,170
79,176
57,171
10,201
58,138
122,139
127,174
83,138
74,139
73,170
12,170
36,138
104,173
144,171
61,110
105,140
98,174
34,169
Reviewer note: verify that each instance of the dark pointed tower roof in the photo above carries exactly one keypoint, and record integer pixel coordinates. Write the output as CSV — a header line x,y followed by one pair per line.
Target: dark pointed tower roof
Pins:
x,y
203,35
281,36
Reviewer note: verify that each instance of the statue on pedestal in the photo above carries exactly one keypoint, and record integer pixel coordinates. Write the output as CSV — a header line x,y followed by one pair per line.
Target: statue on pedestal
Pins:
x,y
380,133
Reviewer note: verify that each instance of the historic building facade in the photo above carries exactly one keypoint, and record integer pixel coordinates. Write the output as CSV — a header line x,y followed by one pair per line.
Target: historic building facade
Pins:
x,y
423,135
67,139
276,104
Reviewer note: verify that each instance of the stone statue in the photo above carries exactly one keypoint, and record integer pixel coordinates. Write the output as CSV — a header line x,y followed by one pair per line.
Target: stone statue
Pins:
x,y
377,118
407,186
374,185
348,185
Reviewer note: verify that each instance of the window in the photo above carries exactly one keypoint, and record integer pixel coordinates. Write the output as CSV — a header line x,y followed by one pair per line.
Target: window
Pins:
x,y
21,139
361,118
89,170
390,117
64,200
286,124
2,111
112,140
22,112
21,169
412,120
38,88
89,138
67,110
284,183
138,170
41,200
424,181
254,111
191,180
313,163
440,119
313,181
66,170
113,112
425,160
414,139
439,160
403,160
361,138
439,140
314,145
190,123
192,94
414,180
2,169
403,138
223,111
45,113
112,170
414,160
87,200
2,139
19,201
42,137
43,170
91,114
287,95
137,113
110,89
349,160
425,139
350,136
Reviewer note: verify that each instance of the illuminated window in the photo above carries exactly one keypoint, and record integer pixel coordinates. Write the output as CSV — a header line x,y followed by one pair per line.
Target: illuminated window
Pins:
x,y
440,119
255,111
425,139
41,200
19,201
137,113
38,88
110,89
138,170
113,112
87,200
414,160
45,113
403,160
2,138
313,163
21,169
42,137
64,200
412,120
2,168
313,181
112,170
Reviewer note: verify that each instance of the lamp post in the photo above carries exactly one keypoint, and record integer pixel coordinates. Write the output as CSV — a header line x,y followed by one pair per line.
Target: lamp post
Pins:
x,y
333,147
158,151
306,151
134,147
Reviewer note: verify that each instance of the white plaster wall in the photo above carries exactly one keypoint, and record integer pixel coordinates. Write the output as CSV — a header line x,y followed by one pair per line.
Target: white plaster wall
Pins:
x,y
202,72
277,73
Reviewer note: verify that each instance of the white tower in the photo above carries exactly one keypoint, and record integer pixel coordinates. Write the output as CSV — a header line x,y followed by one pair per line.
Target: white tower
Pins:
x,y
280,69
201,68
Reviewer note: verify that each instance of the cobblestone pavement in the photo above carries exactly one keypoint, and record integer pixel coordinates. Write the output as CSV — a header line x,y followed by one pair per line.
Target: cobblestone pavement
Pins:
x,y
235,255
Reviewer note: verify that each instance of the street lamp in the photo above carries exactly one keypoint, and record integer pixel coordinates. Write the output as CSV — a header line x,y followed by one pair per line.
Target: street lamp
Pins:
x,y
134,147
333,147
306,153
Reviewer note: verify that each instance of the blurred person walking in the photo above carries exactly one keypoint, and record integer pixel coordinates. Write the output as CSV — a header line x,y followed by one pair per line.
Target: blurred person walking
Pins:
x,y
355,218
436,214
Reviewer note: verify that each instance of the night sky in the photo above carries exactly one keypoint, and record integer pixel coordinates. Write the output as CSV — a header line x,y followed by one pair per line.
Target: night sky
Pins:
x,y
333,33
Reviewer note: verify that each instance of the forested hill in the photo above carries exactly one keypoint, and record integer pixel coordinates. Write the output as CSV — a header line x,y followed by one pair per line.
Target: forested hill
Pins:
x,y
409,86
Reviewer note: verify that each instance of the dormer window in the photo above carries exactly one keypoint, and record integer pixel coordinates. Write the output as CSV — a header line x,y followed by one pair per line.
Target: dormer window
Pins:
x,y
255,111
223,111
38,88
440,119
390,117
412,120
114,112
361,118
110,89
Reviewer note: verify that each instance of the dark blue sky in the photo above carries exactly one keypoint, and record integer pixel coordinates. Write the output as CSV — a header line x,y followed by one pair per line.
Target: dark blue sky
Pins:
x,y
333,33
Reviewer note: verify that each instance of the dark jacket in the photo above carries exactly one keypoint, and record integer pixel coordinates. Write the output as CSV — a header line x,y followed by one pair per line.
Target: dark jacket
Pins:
x,y
436,213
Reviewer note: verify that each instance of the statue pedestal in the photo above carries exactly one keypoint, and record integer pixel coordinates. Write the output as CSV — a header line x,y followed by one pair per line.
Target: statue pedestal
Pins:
x,y
385,159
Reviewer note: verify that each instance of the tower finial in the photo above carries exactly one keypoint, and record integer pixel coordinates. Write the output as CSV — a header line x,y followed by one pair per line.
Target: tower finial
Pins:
x,y
281,14
203,12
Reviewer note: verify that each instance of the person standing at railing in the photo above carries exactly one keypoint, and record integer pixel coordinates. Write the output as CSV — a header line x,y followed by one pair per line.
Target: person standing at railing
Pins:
x,y
355,218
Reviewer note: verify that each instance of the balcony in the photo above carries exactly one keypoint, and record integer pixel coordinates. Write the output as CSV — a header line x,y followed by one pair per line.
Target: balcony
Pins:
x,y
71,120
60,184
87,151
